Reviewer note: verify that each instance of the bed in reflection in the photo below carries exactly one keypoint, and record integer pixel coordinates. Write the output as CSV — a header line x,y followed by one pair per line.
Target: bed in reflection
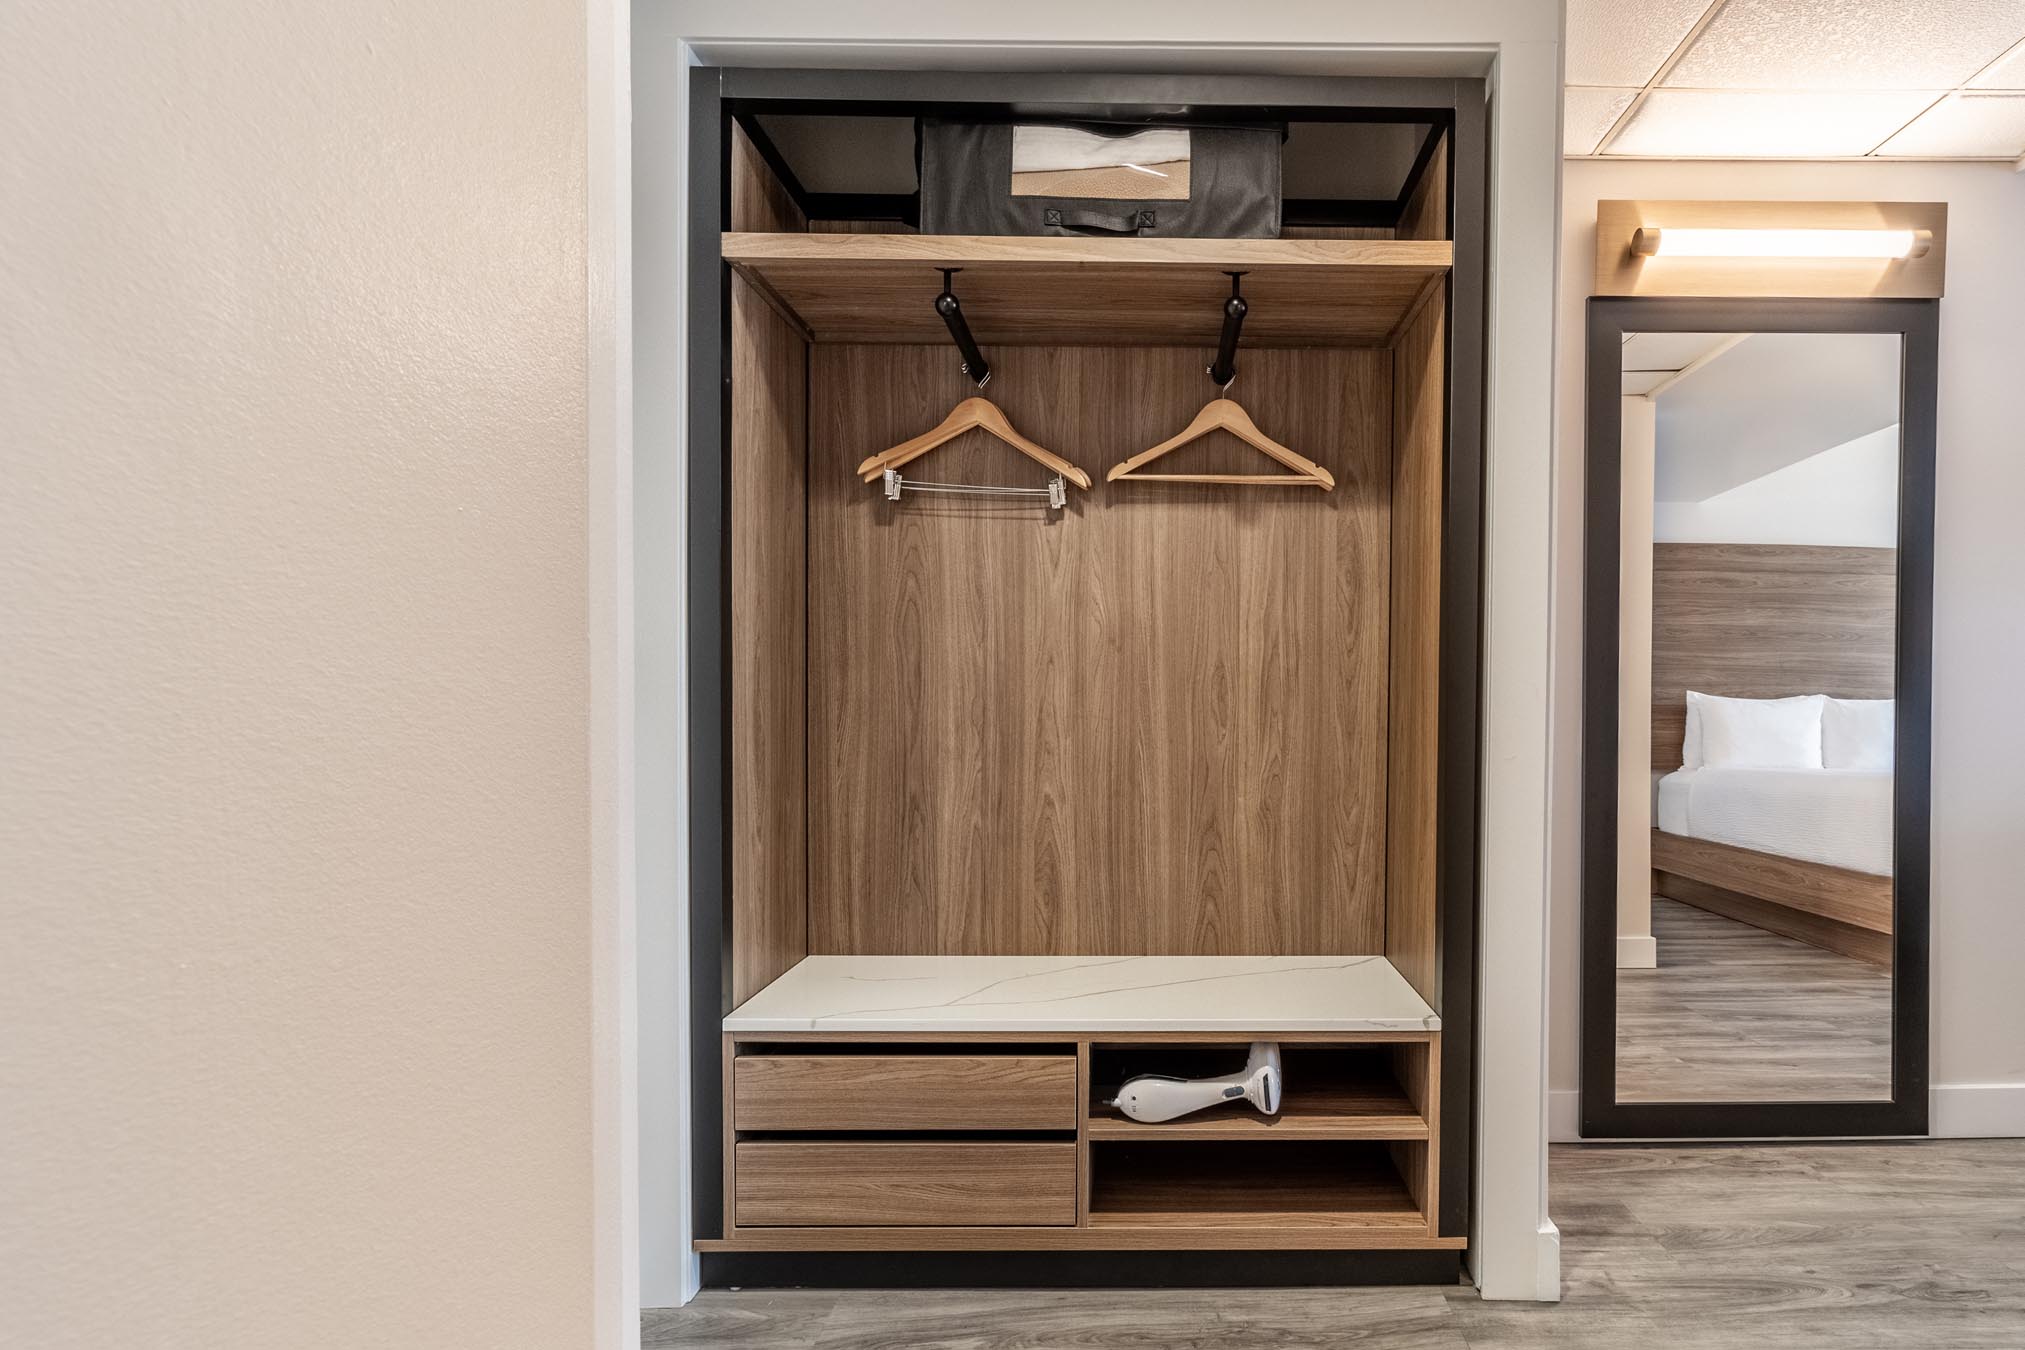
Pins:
x,y
1773,738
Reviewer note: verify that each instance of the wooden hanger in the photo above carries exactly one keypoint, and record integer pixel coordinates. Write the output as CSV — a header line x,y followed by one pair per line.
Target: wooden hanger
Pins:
x,y
973,413
1221,414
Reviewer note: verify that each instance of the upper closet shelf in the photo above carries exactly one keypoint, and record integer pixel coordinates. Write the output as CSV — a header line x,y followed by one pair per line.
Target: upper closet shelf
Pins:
x,y
1070,994
1065,291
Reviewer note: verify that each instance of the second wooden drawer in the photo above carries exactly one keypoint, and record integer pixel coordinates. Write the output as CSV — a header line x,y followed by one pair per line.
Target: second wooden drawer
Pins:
x,y
830,1184
904,1092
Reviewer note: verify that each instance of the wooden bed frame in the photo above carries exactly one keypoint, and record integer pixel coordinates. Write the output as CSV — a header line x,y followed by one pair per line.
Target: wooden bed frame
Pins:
x,y
1832,907
1766,621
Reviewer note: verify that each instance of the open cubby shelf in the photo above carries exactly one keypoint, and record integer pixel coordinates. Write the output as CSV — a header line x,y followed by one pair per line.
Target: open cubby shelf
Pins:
x,y
1331,1092
1046,291
1200,1184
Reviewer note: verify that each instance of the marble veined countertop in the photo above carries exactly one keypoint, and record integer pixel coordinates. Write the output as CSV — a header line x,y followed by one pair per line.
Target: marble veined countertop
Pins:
x,y
1067,994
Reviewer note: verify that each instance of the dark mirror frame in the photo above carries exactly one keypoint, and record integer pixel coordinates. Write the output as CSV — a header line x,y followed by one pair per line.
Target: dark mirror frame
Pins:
x,y
1905,1113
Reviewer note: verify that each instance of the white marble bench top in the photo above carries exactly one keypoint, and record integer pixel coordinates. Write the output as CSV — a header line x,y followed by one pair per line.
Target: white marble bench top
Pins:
x,y
1068,994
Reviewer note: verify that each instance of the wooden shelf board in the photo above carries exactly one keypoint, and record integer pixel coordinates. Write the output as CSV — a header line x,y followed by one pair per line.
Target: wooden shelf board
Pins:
x,y
1067,291
1226,1184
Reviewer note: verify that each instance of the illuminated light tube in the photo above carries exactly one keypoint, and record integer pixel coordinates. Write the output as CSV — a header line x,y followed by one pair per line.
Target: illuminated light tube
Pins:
x,y
1669,242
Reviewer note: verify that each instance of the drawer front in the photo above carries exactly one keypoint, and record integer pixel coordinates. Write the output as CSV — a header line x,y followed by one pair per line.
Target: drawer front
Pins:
x,y
850,1185
904,1092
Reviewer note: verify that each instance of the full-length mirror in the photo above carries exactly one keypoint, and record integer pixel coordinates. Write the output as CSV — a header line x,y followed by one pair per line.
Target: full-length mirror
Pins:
x,y
1752,902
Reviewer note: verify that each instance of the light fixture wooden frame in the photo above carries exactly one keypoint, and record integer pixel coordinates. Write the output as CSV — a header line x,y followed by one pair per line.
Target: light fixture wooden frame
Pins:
x,y
1621,271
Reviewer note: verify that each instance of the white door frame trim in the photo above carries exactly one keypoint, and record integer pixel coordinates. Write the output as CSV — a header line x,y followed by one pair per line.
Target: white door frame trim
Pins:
x,y
637,227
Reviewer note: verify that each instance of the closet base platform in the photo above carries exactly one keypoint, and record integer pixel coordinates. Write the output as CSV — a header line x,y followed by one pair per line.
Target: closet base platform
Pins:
x,y
963,1104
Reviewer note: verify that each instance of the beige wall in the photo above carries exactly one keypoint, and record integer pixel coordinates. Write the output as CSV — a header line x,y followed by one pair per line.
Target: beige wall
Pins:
x,y
294,815
1978,1033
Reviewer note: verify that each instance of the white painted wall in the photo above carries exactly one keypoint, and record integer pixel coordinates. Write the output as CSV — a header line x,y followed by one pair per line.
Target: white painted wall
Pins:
x,y
296,701
1978,1031
1845,496
1519,41
1635,948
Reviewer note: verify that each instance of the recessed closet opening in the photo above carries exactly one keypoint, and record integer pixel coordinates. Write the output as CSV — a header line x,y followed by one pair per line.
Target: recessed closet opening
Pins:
x,y
1096,629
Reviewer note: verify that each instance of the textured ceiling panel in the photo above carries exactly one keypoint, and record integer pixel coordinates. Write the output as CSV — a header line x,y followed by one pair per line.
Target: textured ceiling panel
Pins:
x,y
2007,73
1609,44
1848,44
1729,125
1587,114
1991,125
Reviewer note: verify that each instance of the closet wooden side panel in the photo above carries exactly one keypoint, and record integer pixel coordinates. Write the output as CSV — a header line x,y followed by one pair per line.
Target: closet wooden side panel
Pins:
x,y
1419,400
769,659
759,200
1154,724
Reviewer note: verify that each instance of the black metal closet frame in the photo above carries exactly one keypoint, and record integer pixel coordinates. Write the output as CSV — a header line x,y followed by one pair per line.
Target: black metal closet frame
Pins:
x,y
717,95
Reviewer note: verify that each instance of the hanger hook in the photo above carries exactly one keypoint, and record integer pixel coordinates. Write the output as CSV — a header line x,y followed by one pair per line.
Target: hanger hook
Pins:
x,y
1224,371
951,310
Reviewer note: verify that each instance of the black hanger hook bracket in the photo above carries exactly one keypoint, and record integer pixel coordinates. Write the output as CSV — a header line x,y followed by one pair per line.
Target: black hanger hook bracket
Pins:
x,y
1225,369
951,310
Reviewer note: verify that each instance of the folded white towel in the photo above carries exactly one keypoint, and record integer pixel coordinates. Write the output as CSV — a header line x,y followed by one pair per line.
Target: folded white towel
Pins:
x,y
1052,149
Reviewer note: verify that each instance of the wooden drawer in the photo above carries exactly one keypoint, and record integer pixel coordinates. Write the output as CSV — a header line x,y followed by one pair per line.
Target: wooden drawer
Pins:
x,y
904,1092
835,1184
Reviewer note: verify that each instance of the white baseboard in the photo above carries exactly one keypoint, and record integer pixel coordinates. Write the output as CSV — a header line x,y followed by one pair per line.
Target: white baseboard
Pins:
x,y
1564,1116
1976,1111
1549,1272
1637,953
1954,1111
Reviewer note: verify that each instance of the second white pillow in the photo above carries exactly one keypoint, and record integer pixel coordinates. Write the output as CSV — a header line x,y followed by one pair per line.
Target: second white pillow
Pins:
x,y
1760,733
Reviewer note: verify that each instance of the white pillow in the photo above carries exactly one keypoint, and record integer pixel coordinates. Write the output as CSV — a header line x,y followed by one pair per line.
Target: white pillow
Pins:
x,y
1691,741
1761,733
1856,733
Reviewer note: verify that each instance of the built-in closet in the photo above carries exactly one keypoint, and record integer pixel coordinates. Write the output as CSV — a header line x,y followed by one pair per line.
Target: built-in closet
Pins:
x,y
998,801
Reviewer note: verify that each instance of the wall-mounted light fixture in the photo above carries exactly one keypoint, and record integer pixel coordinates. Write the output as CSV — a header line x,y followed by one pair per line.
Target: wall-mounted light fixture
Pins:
x,y
1668,242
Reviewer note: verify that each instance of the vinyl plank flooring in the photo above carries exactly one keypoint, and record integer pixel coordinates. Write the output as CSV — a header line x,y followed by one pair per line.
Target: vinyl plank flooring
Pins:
x,y
1734,1013
745,1319
1664,1247
1285,1319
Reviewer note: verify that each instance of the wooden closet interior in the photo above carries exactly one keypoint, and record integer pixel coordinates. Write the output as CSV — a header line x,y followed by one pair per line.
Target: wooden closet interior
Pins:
x,y
1022,801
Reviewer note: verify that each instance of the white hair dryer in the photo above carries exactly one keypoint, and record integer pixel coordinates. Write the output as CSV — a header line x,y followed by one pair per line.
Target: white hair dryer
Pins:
x,y
1155,1096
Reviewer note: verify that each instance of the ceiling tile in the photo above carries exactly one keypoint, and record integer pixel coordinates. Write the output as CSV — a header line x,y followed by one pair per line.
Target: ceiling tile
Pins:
x,y
1991,125
1727,125
1587,114
2007,73
1848,44
1607,44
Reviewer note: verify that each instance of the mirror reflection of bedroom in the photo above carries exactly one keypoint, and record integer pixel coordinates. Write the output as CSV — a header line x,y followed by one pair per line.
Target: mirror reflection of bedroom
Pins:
x,y
1760,480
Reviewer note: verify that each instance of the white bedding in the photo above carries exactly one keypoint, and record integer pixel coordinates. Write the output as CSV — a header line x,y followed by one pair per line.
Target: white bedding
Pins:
x,y
1834,816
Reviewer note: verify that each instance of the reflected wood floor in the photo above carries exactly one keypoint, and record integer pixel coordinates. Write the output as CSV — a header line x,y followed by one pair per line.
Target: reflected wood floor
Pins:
x,y
1706,1247
1734,1013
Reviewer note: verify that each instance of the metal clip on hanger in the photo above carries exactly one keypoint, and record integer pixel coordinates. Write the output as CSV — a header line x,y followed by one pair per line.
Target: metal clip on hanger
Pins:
x,y
973,412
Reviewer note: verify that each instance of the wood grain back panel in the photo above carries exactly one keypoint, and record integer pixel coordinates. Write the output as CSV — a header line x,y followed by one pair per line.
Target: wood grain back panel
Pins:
x,y
1419,398
1767,621
1154,724
769,663
1425,213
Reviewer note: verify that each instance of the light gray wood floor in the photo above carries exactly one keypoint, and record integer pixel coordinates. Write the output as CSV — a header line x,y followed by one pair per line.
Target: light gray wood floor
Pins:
x,y
1705,1247
1734,1013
